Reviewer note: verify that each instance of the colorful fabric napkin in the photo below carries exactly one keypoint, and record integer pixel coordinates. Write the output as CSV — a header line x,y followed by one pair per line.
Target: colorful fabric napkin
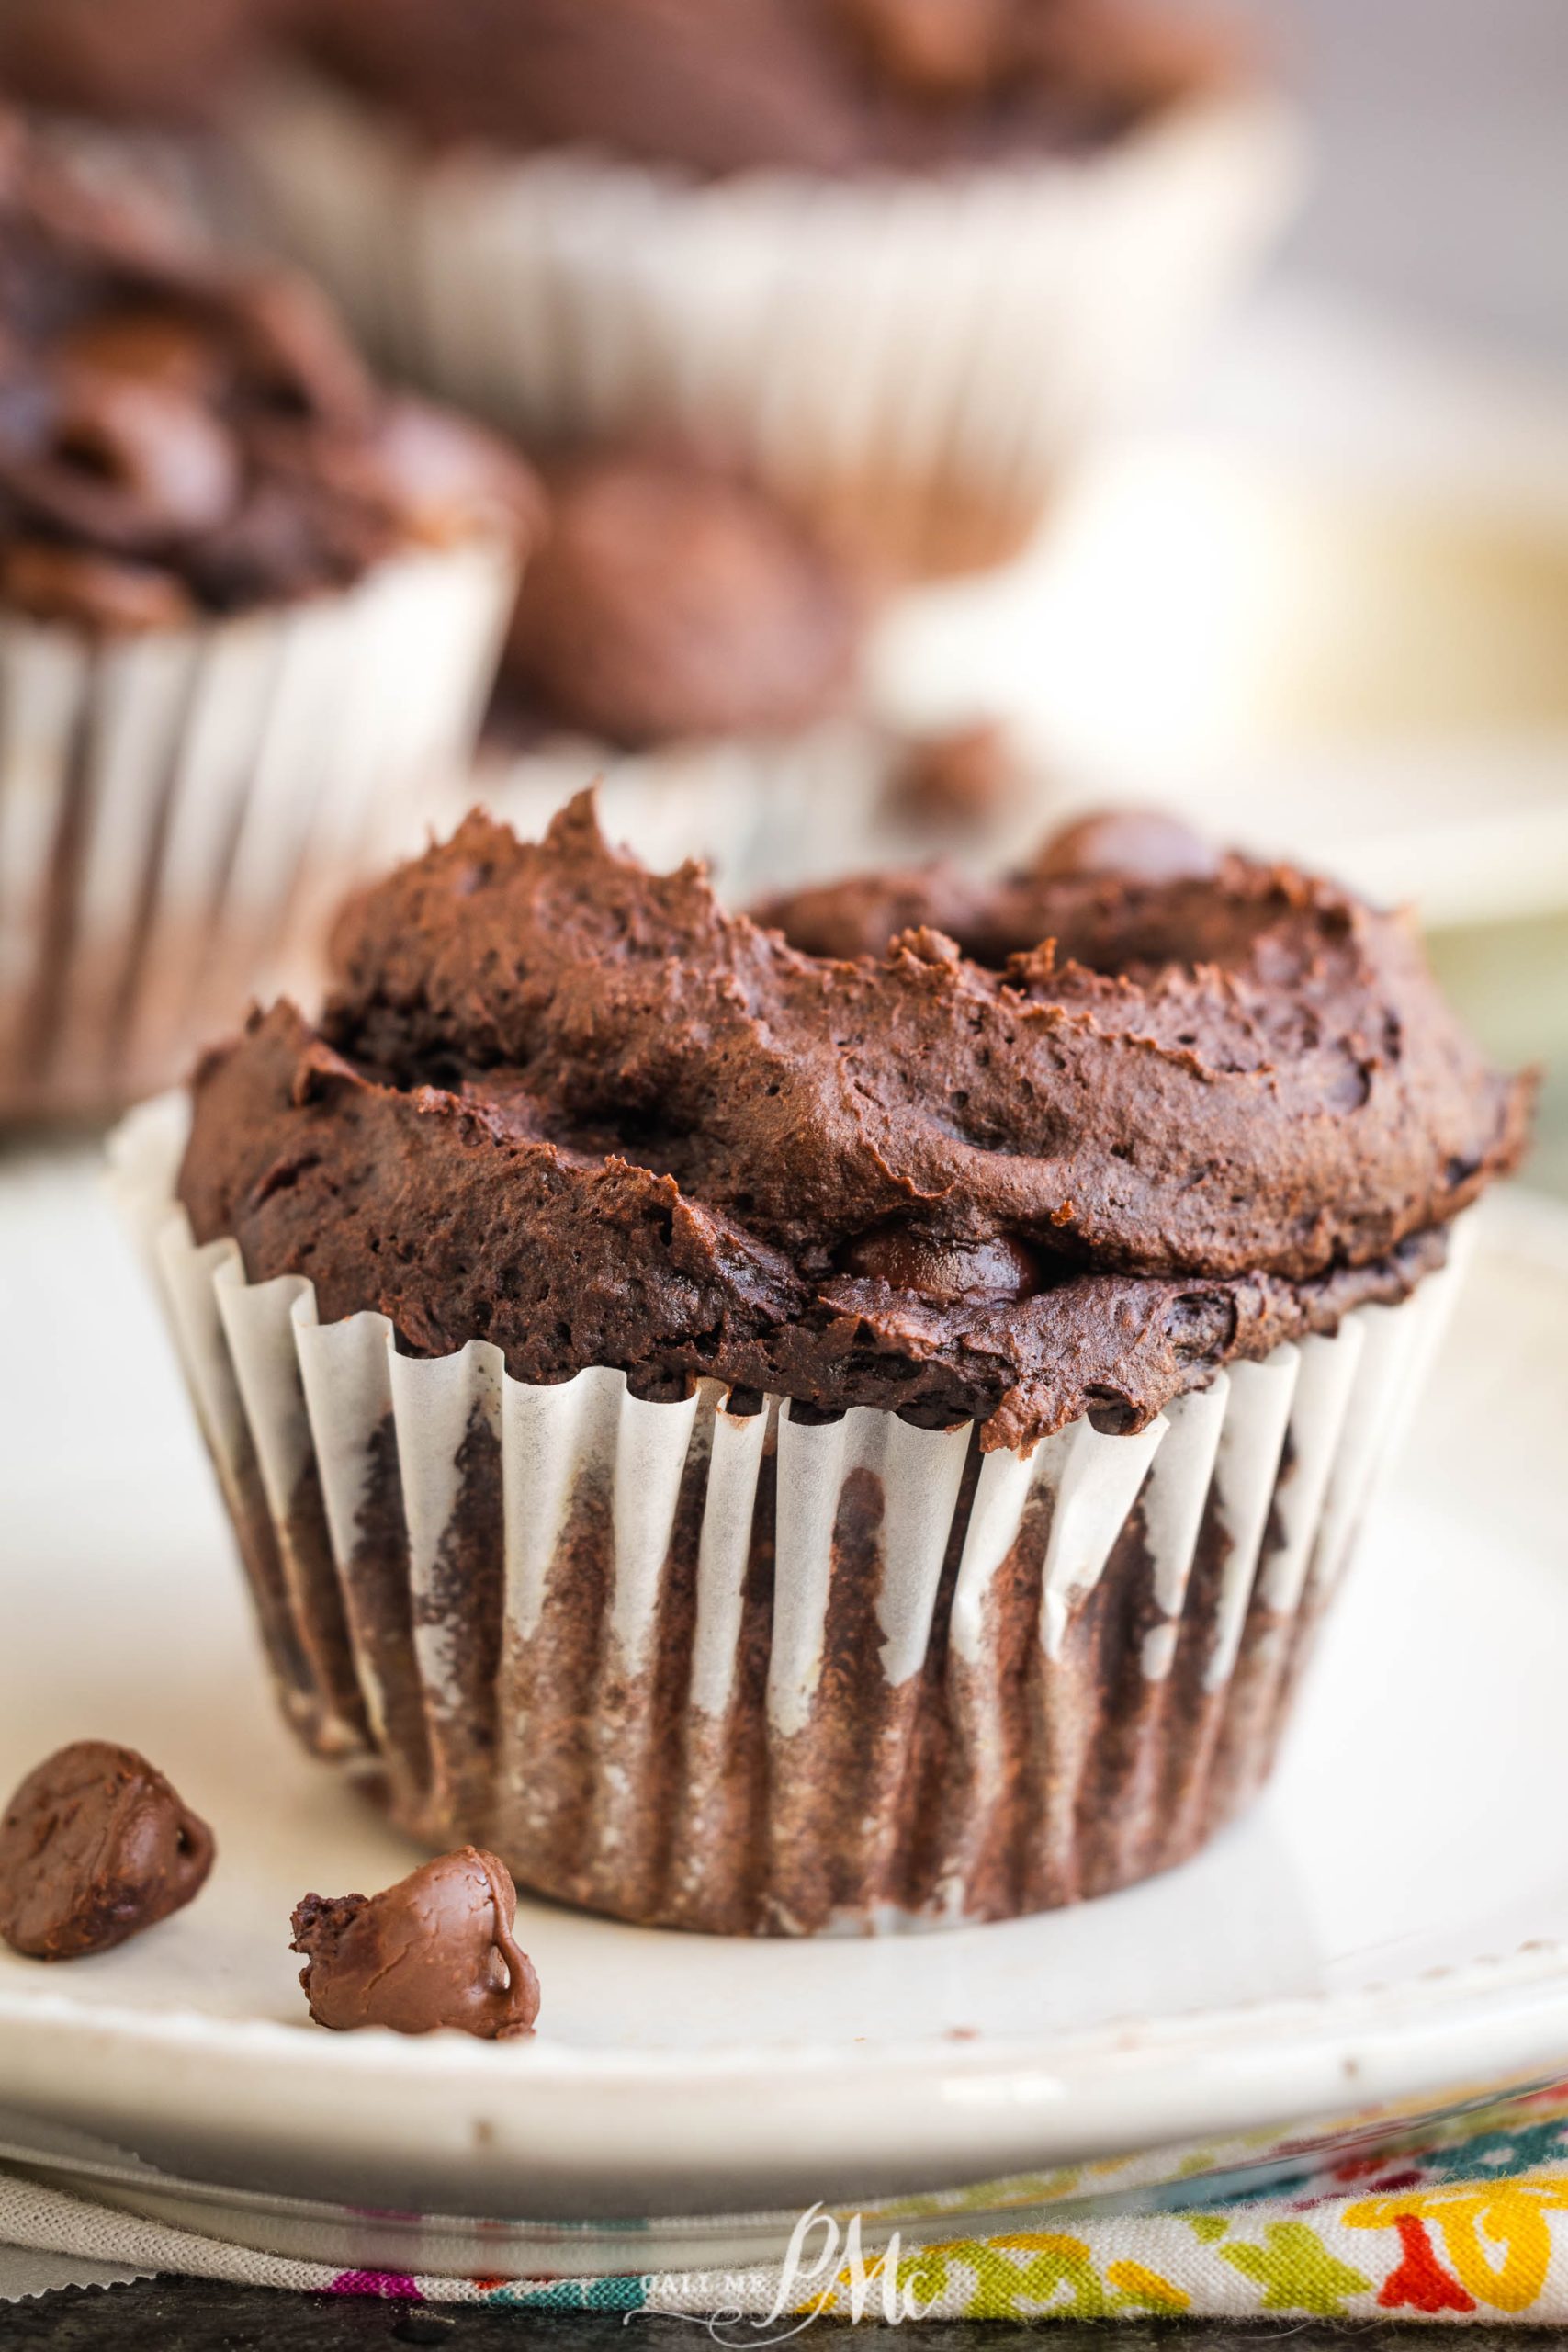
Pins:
x,y
1469,2222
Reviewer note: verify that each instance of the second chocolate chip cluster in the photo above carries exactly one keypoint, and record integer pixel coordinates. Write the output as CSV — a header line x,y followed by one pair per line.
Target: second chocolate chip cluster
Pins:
x,y
97,1846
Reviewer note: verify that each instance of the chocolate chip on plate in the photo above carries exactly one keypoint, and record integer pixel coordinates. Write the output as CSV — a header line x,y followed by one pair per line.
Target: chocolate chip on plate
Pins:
x,y
435,1950
94,1847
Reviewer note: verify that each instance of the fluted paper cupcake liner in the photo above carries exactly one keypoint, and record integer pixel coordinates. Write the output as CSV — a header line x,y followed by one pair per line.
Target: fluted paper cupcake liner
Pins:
x,y
179,807
767,814
756,1672
916,358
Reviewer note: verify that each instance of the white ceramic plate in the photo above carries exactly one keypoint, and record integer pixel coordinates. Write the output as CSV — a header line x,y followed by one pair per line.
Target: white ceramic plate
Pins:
x,y
1384,1929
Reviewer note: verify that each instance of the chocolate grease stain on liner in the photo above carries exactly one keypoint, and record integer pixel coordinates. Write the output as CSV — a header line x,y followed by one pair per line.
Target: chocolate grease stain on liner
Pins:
x,y
771,1666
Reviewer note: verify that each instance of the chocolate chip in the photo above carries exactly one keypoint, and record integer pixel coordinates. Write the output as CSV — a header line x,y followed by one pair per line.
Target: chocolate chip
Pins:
x,y
940,50
1000,1267
1138,844
435,1950
94,1847
954,781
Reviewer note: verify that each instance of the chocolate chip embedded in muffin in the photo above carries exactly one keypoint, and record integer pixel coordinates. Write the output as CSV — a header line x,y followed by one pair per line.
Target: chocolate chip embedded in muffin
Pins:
x,y
435,1950
94,1847
998,1267
1138,844
670,600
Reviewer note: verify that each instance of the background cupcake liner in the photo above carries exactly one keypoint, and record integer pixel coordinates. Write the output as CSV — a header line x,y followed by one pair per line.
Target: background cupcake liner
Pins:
x,y
769,814
750,1674
766,813
178,809
915,359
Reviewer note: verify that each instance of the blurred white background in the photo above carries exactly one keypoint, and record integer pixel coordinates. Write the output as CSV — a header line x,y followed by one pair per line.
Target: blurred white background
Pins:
x,y
1443,186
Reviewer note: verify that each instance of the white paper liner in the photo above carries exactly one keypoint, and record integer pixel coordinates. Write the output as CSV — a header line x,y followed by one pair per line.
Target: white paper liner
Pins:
x,y
179,807
746,1673
766,813
918,354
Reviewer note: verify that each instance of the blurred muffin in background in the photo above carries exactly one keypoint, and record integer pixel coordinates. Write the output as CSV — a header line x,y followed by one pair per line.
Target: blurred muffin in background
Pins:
x,y
684,636
955,787
670,600
250,607
900,258
133,62
135,90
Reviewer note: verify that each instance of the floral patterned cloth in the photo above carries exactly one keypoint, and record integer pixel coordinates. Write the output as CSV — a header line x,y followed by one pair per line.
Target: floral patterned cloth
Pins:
x,y
1467,2221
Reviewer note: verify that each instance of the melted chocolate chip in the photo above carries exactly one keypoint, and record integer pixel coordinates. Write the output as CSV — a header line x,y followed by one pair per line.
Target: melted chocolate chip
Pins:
x,y
435,1950
1138,844
94,1847
996,1270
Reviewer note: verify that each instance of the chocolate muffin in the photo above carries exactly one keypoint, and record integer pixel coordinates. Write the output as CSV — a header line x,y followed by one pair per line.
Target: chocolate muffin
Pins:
x,y
135,62
214,529
900,257
137,92
830,1419
672,602
692,645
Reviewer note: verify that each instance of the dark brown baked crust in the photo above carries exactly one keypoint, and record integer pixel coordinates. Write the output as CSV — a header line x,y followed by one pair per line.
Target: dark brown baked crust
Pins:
x,y
179,436
1133,1132
670,600
730,85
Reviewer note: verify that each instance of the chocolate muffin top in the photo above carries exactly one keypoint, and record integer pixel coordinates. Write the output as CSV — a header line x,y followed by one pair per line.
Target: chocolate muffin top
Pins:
x,y
178,437
1091,1141
670,600
722,87
159,62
